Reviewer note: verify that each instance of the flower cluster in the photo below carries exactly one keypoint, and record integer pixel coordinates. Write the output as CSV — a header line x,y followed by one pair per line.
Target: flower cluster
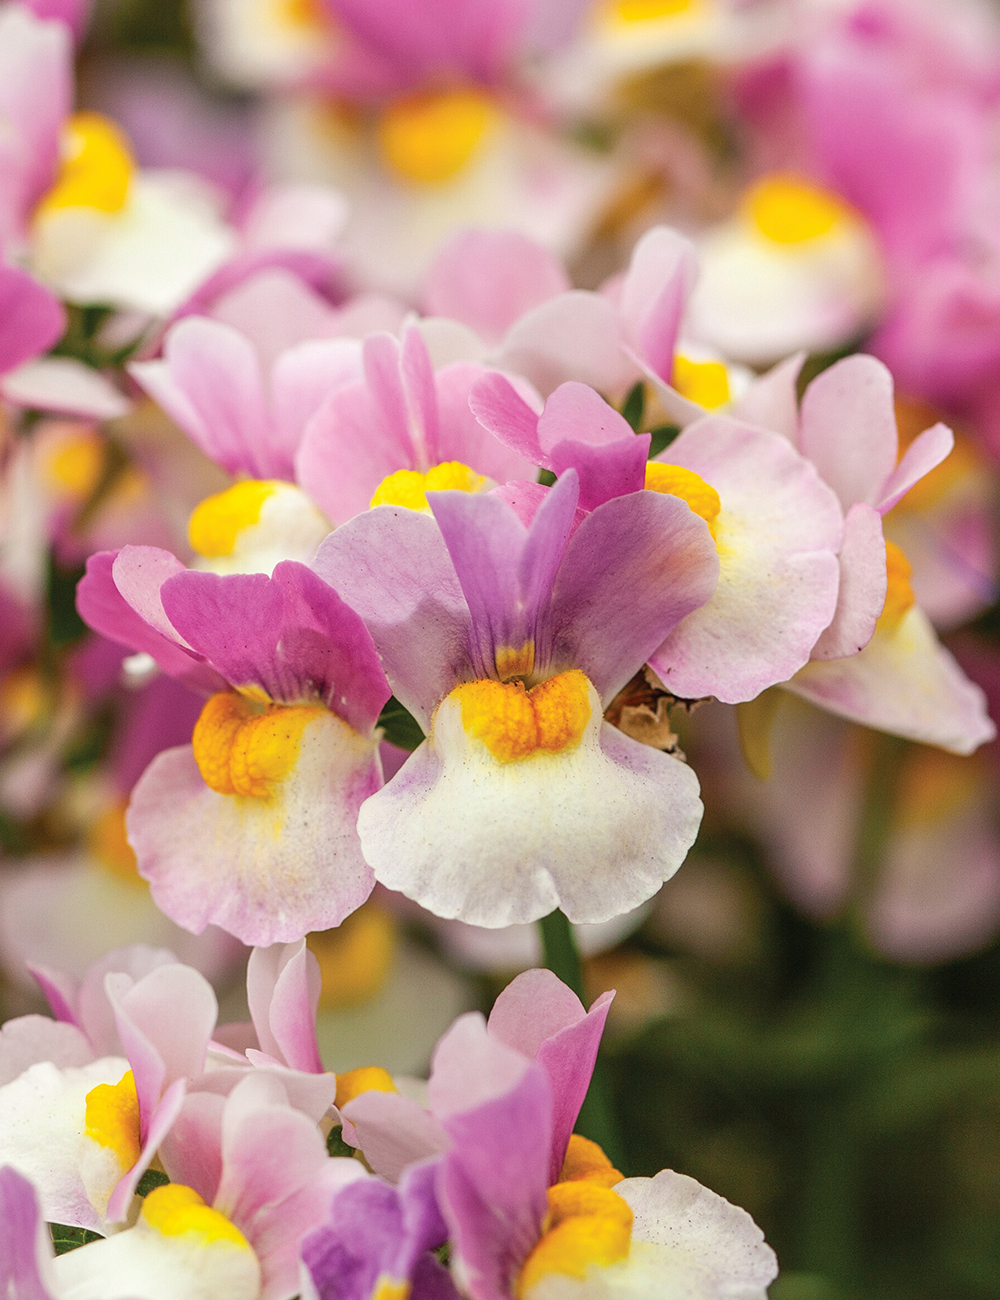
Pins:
x,y
413,485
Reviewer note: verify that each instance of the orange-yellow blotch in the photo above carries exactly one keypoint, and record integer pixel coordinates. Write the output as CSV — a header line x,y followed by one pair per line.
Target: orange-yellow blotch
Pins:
x,y
109,844
96,168
216,523
409,487
355,958
514,723
585,1162
75,464
175,1209
514,661
367,1078
429,138
586,1225
245,749
899,594
787,210
676,481
704,382
112,1118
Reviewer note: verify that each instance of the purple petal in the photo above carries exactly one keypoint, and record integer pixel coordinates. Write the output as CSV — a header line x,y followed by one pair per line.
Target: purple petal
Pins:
x,y
612,470
548,535
488,279
25,1246
31,318
393,567
633,569
492,1183
289,634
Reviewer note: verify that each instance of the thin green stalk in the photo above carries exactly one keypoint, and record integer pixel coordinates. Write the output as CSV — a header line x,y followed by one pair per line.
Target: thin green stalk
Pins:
x,y
562,957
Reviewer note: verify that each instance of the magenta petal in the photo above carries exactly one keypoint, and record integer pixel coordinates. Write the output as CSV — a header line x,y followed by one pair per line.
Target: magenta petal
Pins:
x,y
393,567
498,407
283,988
104,608
31,318
488,279
492,1184
612,470
291,635
644,556
25,1244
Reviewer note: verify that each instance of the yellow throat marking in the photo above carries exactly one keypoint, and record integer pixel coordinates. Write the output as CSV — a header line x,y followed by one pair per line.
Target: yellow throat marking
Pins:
x,y
175,1209
514,723
429,138
96,168
787,210
112,1118
627,12
585,1225
217,522
247,749
409,488
676,481
585,1162
389,1288
899,594
367,1078
704,382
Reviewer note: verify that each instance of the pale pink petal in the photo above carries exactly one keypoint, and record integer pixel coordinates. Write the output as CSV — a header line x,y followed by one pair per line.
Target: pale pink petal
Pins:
x,y
771,402
191,1152
37,1038
160,1123
296,216
575,336
66,386
283,988
302,378
139,573
393,1131
471,1066
576,413
96,1016
275,310
861,596
923,454
464,438
847,428
488,279
655,290
533,1007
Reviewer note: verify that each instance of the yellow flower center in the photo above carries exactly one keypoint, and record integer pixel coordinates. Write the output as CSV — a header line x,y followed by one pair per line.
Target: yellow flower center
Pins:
x,y
899,594
247,749
354,959
112,1118
409,488
175,1209
676,481
791,211
514,723
647,11
109,845
388,1288
75,464
429,138
704,382
96,169
367,1078
585,1162
216,523
585,1225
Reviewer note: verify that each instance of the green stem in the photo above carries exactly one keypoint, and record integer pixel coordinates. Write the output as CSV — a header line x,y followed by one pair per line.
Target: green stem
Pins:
x,y
562,957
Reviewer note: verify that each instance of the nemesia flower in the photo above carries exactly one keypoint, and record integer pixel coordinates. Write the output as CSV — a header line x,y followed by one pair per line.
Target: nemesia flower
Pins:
x,y
776,526
795,267
399,432
86,1131
499,637
253,828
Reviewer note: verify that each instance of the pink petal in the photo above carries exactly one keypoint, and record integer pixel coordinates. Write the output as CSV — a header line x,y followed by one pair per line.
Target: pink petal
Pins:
x,y
861,597
847,428
771,402
924,453
283,987
29,1039
654,294
575,336
393,1131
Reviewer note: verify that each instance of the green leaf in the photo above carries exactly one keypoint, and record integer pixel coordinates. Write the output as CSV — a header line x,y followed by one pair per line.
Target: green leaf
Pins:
x,y
661,438
635,405
335,1143
65,1238
65,624
150,1180
546,477
400,726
